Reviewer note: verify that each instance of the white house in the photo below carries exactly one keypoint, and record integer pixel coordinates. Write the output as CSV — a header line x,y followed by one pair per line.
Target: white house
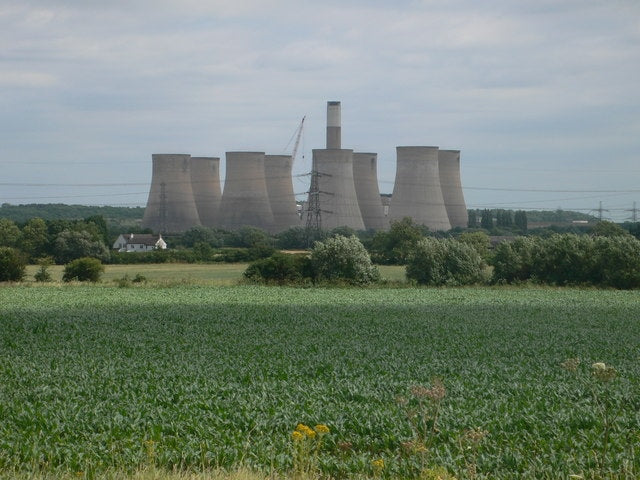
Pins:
x,y
139,242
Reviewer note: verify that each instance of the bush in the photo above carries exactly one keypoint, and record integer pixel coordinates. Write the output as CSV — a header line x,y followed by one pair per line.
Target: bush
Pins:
x,y
445,262
565,260
394,247
293,238
343,259
478,240
617,261
43,275
70,245
606,261
84,269
12,265
513,261
280,268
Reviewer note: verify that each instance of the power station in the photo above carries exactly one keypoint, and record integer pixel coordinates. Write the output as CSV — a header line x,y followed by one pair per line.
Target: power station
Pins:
x,y
258,189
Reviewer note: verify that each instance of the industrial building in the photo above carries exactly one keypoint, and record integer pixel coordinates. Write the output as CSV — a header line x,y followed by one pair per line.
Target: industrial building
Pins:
x,y
245,201
280,192
416,191
365,178
258,189
451,185
205,183
171,207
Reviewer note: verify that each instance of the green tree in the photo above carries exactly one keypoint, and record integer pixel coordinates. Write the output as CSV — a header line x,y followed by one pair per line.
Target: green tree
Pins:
x,y
292,238
10,234
486,221
617,261
480,241
71,244
280,268
520,220
472,219
503,218
35,238
566,259
43,275
343,259
199,234
12,265
101,228
513,261
84,269
393,247
439,262
608,229
250,237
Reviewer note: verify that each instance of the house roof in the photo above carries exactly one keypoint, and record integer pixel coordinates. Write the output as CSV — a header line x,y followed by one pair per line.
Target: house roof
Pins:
x,y
141,238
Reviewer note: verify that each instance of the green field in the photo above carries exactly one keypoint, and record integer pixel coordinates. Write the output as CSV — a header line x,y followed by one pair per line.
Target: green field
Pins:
x,y
206,274
93,378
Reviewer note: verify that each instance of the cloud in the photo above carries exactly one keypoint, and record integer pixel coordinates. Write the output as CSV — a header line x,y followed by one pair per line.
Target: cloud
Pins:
x,y
505,81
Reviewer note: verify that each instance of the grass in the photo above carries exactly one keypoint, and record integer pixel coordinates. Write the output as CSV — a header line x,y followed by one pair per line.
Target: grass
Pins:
x,y
218,378
210,274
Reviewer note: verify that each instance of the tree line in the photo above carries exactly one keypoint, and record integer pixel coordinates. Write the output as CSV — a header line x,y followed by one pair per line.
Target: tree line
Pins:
x,y
609,258
605,254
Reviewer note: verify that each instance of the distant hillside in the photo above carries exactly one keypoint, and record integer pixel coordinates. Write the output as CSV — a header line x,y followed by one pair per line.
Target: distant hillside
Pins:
x,y
558,216
117,218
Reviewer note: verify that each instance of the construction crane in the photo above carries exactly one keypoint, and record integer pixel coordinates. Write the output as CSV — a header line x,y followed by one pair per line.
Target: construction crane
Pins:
x,y
298,135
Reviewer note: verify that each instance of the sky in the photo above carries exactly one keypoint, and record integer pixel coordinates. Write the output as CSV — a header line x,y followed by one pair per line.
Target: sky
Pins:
x,y
542,97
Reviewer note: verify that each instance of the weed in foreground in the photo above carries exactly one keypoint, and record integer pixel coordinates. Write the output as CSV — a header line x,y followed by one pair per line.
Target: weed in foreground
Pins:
x,y
307,443
599,382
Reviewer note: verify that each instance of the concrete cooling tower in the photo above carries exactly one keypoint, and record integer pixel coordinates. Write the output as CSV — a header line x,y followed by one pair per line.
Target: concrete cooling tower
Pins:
x,y
365,178
337,199
416,192
277,170
205,183
170,207
449,168
245,201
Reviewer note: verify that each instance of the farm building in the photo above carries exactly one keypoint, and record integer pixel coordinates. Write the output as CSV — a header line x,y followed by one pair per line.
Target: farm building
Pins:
x,y
139,242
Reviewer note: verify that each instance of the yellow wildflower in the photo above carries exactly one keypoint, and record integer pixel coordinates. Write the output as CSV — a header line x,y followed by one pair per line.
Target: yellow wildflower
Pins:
x,y
302,428
321,429
297,436
378,464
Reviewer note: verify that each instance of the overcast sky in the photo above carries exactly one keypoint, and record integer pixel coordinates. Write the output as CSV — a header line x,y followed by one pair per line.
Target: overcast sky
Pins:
x,y
541,96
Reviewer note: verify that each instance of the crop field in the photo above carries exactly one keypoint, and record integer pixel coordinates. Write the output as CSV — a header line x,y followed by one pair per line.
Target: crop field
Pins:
x,y
465,381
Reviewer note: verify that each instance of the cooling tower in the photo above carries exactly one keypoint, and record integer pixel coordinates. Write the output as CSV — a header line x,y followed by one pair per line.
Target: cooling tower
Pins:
x,y
334,133
365,179
170,207
244,200
336,194
205,183
449,167
277,170
416,192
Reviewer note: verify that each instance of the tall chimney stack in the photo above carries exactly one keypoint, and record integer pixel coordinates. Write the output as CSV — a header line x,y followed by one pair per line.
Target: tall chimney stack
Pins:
x,y
334,134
